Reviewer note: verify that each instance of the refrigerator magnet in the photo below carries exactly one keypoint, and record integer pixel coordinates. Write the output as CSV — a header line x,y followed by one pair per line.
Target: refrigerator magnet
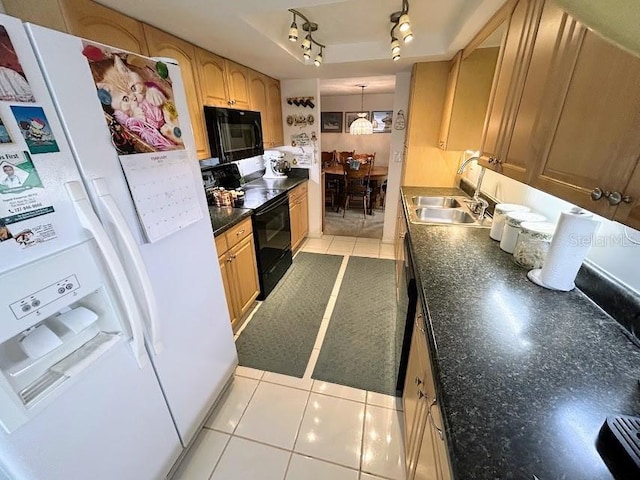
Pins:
x,y
35,129
13,82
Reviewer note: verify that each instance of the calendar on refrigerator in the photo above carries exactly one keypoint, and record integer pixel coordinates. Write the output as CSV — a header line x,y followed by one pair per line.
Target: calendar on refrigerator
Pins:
x,y
164,191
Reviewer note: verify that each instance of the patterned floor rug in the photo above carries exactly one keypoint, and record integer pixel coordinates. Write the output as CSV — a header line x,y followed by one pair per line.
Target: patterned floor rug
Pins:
x,y
361,348
280,336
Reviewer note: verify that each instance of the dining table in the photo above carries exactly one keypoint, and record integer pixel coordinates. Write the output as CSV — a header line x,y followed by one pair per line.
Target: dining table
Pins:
x,y
378,174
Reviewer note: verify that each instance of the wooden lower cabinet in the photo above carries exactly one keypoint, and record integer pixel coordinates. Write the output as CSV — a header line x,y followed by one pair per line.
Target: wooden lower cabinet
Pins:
x,y
425,446
237,258
299,214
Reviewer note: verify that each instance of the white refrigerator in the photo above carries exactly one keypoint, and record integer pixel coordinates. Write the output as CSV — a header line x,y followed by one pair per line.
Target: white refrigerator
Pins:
x,y
115,339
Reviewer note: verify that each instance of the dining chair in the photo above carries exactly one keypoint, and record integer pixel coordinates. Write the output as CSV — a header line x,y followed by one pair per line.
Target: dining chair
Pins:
x,y
356,184
328,159
341,157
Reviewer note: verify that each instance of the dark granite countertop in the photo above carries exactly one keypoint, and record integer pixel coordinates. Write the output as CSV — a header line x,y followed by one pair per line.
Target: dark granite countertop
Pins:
x,y
525,376
223,218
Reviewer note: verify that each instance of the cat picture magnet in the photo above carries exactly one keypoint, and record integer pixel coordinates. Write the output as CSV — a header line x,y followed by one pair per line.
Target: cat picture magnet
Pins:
x,y
136,94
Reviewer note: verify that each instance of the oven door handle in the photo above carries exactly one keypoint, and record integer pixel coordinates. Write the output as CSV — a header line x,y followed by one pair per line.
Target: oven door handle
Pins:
x,y
270,208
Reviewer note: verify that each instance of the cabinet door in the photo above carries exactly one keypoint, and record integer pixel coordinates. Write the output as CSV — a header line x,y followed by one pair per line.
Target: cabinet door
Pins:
x,y
588,136
441,452
228,288
507,88
91,20
258,92
245,274
629,213
294,219
452,81
401,232
274,109
238,84
162,44
304,215
213,79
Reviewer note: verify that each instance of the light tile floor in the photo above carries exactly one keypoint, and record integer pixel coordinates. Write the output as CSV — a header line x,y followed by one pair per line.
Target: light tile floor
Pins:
x,y
275,427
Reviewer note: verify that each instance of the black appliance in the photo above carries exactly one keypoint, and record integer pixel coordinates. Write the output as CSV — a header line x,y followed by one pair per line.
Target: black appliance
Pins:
x,y
270,221
407,302
233,134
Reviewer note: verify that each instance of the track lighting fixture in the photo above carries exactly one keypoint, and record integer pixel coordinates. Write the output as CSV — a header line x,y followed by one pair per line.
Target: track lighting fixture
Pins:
x,y
308,42
293,30
400,21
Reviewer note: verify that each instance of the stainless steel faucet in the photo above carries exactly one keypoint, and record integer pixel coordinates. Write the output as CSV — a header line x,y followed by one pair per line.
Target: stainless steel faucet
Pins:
x,y
477,205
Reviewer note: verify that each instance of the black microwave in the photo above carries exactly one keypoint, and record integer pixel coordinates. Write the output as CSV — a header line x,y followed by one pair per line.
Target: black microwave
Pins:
x,y
233,134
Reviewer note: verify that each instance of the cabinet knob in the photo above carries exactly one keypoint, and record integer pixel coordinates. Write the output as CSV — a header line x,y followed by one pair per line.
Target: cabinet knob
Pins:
x,y
615,198
421,395
596,194
240,232
494,161
418,381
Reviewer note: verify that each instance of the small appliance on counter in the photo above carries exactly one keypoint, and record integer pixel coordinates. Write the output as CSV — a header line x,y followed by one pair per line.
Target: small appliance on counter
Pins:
x,y
275,164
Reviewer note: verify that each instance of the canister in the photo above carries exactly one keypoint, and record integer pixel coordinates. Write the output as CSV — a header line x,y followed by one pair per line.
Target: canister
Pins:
x,y
499,215
512,228
533,243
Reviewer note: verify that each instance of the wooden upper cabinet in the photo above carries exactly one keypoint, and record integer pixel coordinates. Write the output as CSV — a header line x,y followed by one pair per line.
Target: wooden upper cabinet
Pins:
x,y
258,91
93,21
452,84
238,85
161,44
212,76
468,91
507,89
587,132
274,108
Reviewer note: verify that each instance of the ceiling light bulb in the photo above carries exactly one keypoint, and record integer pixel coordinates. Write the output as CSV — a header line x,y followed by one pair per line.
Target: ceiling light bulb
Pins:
x,y
318,59
396,56
395,46
404,23
307,54
293,32
407,36
306,43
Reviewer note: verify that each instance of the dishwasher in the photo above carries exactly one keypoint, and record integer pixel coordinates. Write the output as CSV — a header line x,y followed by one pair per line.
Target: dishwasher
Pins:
x,y
406,311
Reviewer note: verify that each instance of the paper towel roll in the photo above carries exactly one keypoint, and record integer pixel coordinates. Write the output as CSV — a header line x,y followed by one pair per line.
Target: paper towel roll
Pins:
x,y
570,245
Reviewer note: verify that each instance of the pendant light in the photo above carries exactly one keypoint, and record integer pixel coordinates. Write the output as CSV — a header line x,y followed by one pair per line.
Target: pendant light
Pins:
x,y
361,126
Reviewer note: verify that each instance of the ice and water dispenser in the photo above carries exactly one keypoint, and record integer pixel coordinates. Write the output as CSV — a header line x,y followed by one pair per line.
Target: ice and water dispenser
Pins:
x,y
51,335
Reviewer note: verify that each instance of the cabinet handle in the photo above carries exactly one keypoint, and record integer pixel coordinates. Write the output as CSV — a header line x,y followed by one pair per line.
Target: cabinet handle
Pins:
x,y
240,232
432,421
494,161
615,198
421,395
418,381
596,194
401,236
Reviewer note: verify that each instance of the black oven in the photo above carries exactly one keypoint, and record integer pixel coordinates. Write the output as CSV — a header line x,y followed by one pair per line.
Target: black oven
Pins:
x,y
272,235
233,134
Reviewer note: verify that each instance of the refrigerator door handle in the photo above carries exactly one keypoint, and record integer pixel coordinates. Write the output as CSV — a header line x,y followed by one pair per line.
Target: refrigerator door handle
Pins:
x,y
118,220
90,221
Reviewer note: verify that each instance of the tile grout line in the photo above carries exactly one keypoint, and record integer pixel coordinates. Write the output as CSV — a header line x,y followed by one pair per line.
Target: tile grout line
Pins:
x,y
220,457
364,424
327,315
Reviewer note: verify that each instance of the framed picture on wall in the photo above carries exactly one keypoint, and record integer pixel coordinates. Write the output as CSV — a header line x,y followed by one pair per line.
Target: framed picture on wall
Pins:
x,y
351,117
382,121
331,122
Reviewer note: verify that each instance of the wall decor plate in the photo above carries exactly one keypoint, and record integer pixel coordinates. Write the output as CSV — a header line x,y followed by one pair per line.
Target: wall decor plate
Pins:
x,y
289,120
310,119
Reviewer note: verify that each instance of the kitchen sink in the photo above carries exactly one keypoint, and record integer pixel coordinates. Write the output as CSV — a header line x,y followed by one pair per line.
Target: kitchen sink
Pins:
x,y
444,210
440,215
440,202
